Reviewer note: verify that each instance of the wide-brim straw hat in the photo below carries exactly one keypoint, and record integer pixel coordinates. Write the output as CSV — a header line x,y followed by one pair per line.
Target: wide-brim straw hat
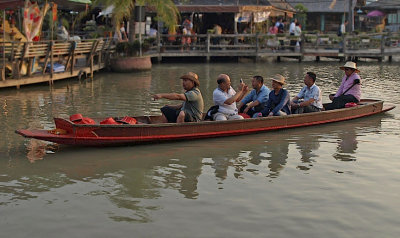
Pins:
x,y
351,65
192,76
279,78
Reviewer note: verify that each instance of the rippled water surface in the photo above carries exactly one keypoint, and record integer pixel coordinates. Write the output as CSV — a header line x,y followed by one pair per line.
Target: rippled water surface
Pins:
x,y
336,180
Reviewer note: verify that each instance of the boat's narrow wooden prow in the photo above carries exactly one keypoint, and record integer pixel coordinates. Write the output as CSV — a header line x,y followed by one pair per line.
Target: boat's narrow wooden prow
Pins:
x,y
149,130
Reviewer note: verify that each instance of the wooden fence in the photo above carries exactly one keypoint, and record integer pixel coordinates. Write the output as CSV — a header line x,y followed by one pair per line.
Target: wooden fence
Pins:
x,y
280,45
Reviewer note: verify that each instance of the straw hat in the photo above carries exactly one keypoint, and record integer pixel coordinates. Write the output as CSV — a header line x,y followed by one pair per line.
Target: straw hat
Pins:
x,y
76,117
350,65
109,121
192,76
279,78
127,120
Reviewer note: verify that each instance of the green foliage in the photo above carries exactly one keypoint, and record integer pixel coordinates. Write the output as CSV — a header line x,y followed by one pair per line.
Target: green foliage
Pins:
x,y
300,8
123,9
131,48
301,15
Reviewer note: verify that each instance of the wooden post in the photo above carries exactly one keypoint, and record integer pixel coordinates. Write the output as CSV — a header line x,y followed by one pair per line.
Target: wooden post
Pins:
x,y
12,52
208,47
46,59
257,43
51,61
158,42
344,44
72,53
91,67
94,46
208,43
26,46
3,71
30,65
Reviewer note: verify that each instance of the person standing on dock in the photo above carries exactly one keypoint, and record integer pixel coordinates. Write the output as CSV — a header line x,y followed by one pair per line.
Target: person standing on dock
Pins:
x,y
191,110
349,90
342,29
120,33
217,30
310,95
257,99
292,27
226,97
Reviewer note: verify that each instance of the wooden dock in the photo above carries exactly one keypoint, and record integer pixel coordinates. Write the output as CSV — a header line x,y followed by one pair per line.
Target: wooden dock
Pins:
x,y
375,46
34,62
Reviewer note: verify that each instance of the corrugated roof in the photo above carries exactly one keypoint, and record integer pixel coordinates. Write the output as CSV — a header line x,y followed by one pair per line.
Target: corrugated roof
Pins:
x,y
8,4
280,4
384,4
322,5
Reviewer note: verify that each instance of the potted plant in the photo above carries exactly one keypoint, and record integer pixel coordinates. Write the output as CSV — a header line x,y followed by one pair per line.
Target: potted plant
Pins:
x,y
128,58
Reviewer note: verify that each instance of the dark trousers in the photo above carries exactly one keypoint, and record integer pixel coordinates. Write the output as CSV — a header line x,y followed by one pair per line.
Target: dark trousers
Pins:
x,y
306,109
340,102
252,110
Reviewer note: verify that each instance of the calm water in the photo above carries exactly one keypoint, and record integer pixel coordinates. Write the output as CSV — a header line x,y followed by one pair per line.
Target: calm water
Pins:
x,y
337,180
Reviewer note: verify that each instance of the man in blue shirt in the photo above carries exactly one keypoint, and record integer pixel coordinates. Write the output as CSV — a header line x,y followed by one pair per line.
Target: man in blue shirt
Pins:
x,y
311,95
279,99
257,99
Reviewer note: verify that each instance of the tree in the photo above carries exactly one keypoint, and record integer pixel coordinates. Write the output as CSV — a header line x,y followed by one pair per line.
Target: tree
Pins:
x,y
301,14
166,11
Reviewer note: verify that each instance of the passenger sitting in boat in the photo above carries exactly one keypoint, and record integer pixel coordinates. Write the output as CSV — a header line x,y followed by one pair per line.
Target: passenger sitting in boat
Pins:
x,y
257,99
226,97
310,94
191,109
278,101
349,90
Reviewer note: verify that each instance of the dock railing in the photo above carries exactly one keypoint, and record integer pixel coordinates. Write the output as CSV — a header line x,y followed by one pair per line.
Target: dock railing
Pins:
x,y
28,59
255,45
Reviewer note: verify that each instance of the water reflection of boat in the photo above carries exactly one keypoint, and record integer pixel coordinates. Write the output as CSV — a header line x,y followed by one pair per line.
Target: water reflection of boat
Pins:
x,y
127,175
150,130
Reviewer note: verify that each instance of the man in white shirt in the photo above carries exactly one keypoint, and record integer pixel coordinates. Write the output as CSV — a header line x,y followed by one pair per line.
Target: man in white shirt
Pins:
x,y
226,97
343,27
292,27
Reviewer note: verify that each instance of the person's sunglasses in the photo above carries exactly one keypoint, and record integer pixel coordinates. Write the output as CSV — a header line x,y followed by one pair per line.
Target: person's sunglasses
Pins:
x,y
348,69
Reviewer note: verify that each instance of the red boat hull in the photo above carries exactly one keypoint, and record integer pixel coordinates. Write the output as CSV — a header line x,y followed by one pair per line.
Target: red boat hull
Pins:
x,y
99,135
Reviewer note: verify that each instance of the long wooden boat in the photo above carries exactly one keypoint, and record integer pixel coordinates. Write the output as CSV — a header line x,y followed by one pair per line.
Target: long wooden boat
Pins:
x,y
149,129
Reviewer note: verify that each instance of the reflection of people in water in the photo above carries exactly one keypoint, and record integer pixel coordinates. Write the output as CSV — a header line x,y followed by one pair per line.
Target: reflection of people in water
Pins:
x,y
347,145
277,154
307,144
190,174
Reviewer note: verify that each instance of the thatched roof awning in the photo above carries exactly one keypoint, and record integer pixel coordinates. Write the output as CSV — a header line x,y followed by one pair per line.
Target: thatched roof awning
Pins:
x,y
11,4
208,8
233,9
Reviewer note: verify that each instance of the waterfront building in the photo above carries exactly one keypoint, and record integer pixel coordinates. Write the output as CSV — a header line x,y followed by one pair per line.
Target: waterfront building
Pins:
x,y
390,13
232,15
326,16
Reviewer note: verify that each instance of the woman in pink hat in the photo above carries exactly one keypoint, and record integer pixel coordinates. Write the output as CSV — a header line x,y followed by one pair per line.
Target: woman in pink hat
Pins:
x,y
349,90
